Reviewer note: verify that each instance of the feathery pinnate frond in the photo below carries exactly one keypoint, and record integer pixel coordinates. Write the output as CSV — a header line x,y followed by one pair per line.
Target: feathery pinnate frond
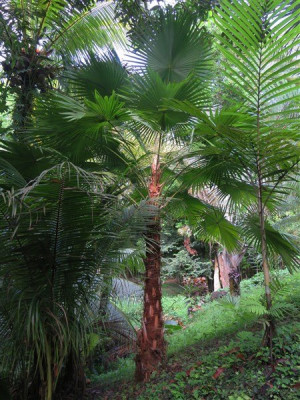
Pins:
x,y
260,43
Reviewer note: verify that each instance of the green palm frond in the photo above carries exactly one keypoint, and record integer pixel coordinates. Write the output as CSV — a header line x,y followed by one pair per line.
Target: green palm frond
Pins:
x,y
58,25
148,94
177,48
214,227
279,310
98,25
253,305
260,48
10,176
209,222
277,242
81,130
104,74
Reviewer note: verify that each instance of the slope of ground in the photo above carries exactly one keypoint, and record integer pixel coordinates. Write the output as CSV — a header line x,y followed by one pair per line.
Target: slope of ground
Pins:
x,y
218,354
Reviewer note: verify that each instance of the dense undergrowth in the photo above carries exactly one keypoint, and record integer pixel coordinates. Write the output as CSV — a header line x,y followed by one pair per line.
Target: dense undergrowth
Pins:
x,y
218,353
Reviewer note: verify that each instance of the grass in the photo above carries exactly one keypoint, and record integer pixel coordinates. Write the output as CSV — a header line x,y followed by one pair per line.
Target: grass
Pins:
x,y
208,331
171,289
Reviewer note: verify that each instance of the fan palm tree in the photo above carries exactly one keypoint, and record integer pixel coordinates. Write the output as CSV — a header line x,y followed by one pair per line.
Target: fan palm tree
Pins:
x,y
41,37
173,67
112,113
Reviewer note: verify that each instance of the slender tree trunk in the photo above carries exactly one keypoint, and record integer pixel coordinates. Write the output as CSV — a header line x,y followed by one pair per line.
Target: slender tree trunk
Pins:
x,y
270,327
217,283
268,337
151,344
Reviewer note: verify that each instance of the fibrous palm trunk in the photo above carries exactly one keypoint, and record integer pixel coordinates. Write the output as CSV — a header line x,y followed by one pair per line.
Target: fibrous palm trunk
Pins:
x,y
22,112
151,344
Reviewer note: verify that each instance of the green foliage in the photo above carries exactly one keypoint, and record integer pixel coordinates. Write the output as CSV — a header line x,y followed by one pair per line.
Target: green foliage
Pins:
x,y
236,372
208,343
251,305
184,265
236,369
174,307
58,231
40,38
65,225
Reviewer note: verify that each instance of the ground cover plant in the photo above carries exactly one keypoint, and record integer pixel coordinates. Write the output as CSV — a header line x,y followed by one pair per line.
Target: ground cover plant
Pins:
x,y
219,354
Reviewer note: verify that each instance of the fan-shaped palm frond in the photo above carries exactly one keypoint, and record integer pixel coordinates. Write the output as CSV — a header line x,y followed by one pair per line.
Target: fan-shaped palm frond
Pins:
x,y
81,130
177,48
149,94
105,74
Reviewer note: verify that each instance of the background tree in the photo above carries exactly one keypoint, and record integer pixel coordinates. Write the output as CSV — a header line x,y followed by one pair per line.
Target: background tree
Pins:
x,y
40,38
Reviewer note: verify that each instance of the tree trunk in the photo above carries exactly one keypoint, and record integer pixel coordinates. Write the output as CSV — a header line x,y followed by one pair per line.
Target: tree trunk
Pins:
x,y
72,381
235,274
268,336
22,112
224,267
217,283
227,266
270,327
151,345
187,245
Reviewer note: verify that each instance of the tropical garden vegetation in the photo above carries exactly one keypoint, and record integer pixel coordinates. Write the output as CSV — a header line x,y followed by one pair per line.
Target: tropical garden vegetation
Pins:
x,y
149,209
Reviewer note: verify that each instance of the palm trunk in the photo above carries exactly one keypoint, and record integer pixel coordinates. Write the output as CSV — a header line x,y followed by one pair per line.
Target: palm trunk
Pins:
x,y
22,111
268,336
270,327
187,245
235,273
151,344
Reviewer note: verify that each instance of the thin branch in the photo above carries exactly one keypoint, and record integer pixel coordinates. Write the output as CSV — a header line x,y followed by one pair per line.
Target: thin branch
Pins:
x,y
43,20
